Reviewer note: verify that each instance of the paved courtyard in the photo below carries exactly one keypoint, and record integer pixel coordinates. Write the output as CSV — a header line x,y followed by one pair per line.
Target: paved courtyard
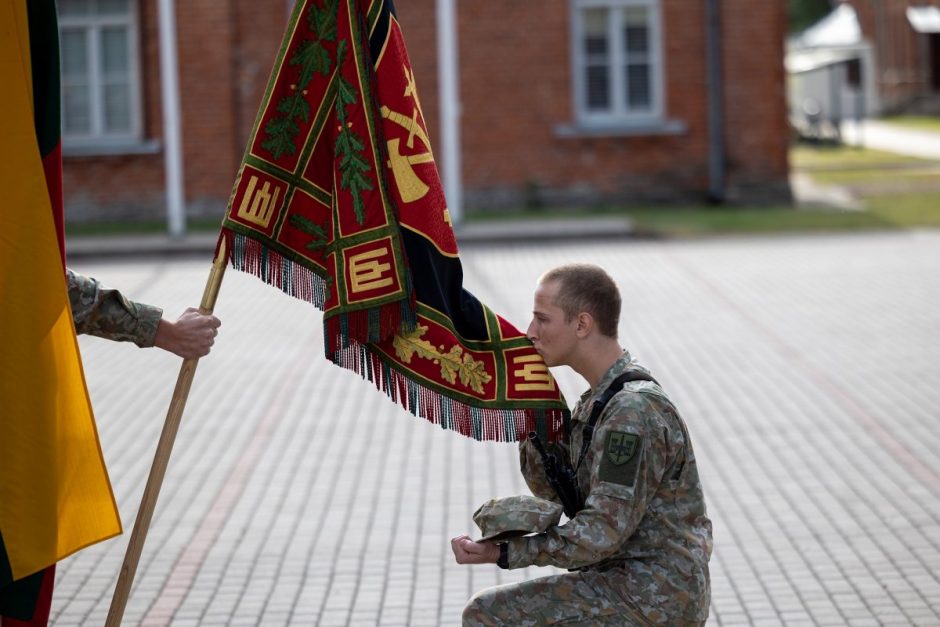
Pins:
x,y
807,369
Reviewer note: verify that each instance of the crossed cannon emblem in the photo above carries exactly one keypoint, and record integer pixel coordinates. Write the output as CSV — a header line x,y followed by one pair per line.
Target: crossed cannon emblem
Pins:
x,y
411,186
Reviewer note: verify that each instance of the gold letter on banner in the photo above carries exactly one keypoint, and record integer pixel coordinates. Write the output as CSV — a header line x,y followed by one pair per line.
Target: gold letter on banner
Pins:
x,y
365,273
535,373
258,208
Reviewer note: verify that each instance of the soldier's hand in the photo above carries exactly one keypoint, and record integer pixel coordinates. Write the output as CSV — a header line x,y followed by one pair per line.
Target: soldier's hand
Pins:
x,y
191,335
466,551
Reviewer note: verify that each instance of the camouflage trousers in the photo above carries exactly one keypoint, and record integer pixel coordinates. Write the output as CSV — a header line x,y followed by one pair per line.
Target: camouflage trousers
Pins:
x,y
576,598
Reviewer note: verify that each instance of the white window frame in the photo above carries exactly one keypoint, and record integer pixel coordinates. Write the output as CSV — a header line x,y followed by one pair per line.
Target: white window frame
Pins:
x,y
98,136
618,115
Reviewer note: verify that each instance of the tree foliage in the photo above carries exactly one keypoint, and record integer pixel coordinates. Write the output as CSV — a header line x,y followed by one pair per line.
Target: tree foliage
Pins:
x,y
804,13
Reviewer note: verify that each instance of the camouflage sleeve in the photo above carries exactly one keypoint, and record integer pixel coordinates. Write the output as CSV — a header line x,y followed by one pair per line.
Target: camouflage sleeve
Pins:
x,y
629,454
105,313
533,470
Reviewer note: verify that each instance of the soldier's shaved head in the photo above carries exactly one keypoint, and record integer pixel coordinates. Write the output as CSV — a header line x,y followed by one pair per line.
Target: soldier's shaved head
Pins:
x,y
584,287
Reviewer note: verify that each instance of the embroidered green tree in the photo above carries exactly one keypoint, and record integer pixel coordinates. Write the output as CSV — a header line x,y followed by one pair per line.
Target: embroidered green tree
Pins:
x,y
312,57
353,166
311,228
323,22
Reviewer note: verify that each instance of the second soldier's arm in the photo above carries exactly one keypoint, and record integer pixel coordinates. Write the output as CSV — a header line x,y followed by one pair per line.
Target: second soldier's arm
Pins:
x,y
104,312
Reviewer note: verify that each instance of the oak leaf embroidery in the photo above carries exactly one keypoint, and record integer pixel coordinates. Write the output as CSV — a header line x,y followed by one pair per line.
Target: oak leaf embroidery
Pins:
x,y
312,57
454,363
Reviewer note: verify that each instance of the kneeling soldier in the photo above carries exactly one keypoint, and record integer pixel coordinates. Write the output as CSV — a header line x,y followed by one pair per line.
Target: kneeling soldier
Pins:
x,y
638,542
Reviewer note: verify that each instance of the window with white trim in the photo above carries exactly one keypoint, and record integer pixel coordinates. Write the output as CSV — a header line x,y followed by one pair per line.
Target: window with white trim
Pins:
x,y
617,61
101,102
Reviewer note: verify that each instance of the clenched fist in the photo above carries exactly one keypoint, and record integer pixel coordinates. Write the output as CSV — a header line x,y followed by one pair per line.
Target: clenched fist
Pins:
x,y
192,335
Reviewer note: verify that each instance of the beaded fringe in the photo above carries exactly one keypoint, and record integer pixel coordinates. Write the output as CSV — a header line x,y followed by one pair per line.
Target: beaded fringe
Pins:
x,y
503,425
346,336
294,279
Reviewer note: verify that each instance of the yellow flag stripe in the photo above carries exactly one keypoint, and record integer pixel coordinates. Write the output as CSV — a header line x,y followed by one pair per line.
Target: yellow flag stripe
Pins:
x,y
55,497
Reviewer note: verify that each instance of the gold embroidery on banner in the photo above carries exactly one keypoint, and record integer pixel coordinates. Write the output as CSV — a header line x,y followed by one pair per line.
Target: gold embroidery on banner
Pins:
x,y
409,124
411,187
535,372
366,274
455,362
411,89
258,208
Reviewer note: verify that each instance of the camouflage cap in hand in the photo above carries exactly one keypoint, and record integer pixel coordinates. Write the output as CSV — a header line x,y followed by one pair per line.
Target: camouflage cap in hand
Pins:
x,y
503,518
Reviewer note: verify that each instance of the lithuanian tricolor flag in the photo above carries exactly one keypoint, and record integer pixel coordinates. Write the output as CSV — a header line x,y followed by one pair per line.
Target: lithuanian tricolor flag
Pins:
x,y
55,497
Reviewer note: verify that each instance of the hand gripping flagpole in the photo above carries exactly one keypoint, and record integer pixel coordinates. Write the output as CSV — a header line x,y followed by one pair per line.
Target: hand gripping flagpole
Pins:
x,y
162,457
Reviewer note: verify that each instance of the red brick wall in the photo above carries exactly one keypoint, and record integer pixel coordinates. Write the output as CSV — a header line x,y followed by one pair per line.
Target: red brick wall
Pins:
x,y
756,132
207,77
515,92
226,50
123,186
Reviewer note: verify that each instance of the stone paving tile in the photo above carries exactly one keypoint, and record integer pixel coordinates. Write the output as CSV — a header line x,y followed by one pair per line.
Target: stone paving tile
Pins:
x,y
806,368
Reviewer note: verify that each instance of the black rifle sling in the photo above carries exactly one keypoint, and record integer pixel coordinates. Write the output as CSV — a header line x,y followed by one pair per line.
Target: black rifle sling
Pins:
x,y
587,434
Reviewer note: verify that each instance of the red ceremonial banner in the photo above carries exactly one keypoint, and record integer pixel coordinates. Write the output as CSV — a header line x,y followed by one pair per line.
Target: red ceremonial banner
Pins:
x,y
338,201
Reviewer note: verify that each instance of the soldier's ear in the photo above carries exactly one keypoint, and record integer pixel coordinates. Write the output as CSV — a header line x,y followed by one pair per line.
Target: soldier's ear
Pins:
x,y
585,324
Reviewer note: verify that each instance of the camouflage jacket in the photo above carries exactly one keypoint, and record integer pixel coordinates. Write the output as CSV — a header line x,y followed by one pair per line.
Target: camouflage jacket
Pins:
x,y
105,313
644,511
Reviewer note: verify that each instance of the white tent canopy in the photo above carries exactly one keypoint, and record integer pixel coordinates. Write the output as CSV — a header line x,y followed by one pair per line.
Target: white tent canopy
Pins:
x,y
808,60
839,28
924,19
834,39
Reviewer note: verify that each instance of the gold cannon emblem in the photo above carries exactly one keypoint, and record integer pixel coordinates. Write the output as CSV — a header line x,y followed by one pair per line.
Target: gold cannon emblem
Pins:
x,y
409,184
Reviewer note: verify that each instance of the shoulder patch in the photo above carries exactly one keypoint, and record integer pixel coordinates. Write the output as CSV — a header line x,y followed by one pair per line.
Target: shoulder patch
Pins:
x,y
620,447
622,453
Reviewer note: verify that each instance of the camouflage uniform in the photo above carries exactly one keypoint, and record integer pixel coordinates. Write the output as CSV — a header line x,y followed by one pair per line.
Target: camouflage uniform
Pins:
x,y
642,542
105,313
499,519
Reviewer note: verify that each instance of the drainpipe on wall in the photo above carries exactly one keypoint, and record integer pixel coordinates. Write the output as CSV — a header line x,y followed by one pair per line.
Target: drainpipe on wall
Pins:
x,y
172,141
716,130
448,94
881,50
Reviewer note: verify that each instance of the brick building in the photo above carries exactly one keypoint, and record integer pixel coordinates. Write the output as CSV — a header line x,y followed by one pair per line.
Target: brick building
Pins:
x,y
579,101
906,39
112,124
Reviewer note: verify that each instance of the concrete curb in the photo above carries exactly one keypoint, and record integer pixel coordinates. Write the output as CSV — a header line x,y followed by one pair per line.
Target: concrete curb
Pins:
x,y
479,233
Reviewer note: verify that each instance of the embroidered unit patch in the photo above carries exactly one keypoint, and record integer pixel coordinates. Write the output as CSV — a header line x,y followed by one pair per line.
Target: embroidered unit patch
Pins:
x,y
621,447
621,458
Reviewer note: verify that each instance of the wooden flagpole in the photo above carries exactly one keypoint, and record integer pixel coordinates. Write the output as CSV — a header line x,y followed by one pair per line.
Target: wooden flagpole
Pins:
x,y
162,457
